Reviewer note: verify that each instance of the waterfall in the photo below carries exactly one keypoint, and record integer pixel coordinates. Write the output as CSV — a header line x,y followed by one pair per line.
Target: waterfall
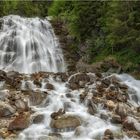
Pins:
x,y
61,106
29,45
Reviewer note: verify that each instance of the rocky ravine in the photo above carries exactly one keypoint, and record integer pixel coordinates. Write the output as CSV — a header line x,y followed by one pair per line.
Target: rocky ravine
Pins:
x,y
63,106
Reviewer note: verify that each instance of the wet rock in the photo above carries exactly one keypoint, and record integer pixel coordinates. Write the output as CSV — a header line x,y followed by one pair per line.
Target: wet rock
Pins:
x,y
79,131
108,135
92,109
98,74
28,86
57,135
55,115
111,95
104,116
83,96
21,122
65,121
37,83
2,75
21,105
122,98
38,118
116,119
78,80
6,110
49,86
69,95
36,98
4,133
106,82
123,87
128,125
121,110
138,109
4,94
110,104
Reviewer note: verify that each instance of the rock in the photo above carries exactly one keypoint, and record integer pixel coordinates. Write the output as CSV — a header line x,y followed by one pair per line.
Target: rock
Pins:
x,y
108,135
37,83
2,75
122,98
57,135
129,125
4,94
110,104
104,116
36,98
92,109
98,74
121,110
69,95
38,118
116,119
6,110
123,87
55,115
21,122
79,131
111,95
21,105
83,96
65,121
28,86
78,80
4,133
106,82
132,124
49,86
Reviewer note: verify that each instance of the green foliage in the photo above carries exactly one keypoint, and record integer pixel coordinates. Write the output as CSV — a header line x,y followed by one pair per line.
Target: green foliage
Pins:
x,y
24,8
109,28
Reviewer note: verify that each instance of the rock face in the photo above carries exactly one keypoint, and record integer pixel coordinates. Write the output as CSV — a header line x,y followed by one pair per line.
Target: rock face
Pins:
x,y
65,121
21,122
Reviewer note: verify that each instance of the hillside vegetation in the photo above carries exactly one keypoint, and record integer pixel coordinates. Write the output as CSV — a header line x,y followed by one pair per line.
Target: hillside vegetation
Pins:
x,y
109,29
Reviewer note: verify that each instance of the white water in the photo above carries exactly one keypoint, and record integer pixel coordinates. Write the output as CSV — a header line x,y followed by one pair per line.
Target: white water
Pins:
x,y
29,45
92,127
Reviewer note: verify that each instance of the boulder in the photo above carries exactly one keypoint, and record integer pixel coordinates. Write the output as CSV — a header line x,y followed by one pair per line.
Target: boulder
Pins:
x,y
121,110
57,114
21,105
65,121
21,122
49,86
110,104
6,110
116,119
92,109
36,98
108,135
78,80
38,118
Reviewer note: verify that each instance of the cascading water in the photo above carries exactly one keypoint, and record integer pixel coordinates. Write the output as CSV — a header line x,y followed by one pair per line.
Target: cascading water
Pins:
x,y
29,45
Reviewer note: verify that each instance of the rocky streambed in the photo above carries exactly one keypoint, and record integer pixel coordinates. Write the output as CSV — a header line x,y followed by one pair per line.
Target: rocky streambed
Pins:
x,y
65,106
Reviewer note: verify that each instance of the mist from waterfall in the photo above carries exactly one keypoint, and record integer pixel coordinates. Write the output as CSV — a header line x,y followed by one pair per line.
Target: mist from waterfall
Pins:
x,y
29,45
